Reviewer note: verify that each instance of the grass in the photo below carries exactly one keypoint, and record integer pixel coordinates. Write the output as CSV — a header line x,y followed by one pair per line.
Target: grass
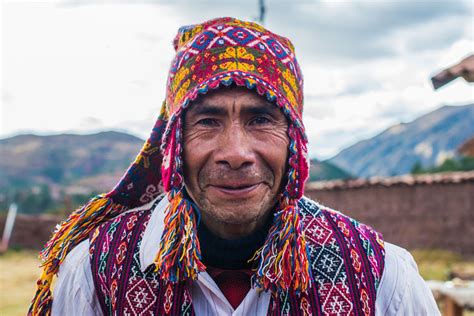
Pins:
x,y
19,271
437,264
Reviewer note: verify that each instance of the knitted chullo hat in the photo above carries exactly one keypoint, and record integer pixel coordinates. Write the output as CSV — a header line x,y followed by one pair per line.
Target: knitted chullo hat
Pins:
x,y
216,53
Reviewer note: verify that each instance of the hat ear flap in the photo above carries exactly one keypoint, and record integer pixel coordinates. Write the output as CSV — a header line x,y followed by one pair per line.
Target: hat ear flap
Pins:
x,y
172,149
167,167
298,164
179,255
283,258
303,163
141,183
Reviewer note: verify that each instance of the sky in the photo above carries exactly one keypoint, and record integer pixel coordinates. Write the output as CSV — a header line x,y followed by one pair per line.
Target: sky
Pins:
x,y
87,66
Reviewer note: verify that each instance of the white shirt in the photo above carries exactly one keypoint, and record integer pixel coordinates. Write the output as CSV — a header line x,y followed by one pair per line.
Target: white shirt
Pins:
x,y
402,291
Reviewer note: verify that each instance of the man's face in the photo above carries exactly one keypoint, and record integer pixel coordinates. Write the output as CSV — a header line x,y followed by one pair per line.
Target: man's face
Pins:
x,y
235,155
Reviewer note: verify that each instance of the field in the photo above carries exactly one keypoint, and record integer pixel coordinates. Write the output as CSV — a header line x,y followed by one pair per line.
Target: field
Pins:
x,y
18,273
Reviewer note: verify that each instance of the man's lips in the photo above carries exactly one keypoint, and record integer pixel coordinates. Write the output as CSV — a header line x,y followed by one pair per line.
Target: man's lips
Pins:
x,y
236,190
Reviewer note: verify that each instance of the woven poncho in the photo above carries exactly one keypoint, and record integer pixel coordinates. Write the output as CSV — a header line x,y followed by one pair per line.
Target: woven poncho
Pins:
x,y
219,52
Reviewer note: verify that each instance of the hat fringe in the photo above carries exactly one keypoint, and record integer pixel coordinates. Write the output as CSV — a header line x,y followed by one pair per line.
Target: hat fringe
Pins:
x,y
43,299
71,232
179,257
283,258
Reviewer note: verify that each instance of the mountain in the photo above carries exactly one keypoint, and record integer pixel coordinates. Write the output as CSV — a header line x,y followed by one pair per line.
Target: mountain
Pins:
x,y
97,160
324,170
428,141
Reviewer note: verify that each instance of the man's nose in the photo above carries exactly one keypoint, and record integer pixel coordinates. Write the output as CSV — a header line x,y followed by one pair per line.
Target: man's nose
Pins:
x,y
235,148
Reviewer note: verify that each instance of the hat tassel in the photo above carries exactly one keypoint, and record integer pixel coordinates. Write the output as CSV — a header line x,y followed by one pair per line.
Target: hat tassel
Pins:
x,y
179,258
283,258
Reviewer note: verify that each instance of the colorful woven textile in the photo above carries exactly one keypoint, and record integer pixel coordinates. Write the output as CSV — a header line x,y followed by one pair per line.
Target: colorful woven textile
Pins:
x,y
346,261
125,289
217,53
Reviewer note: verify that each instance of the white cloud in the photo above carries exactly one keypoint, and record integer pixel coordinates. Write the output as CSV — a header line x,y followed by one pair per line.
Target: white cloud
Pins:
x,y
366,66
68,63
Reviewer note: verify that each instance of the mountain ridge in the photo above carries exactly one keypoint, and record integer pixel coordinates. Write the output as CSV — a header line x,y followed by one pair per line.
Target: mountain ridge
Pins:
x,y
30,159
428,140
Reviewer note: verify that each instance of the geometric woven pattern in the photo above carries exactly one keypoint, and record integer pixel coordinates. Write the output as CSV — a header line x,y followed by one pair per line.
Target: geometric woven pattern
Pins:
x,y
346,260
222,46
121,286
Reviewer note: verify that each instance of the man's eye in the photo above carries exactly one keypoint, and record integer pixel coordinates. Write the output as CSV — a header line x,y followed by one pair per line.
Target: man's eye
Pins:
x,y
207,122
260,120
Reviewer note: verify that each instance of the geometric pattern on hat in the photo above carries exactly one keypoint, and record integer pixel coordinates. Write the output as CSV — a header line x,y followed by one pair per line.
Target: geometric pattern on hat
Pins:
x,y
224,45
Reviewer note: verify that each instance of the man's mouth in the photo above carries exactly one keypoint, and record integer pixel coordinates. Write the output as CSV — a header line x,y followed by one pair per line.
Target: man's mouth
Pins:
x,y
236,190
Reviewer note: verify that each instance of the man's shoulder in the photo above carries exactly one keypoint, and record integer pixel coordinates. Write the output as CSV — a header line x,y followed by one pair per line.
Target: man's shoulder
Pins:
x,y
323,216
77,260
309,207
116,233
132,214
339,236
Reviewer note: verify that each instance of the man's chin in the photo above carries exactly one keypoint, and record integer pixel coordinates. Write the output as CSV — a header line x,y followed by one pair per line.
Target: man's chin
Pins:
x,y
241,214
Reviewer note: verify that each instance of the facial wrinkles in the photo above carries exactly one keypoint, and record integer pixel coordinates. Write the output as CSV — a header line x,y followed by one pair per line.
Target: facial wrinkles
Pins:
x,y
260,172
235,140
191,134
246,174
278,133
223,175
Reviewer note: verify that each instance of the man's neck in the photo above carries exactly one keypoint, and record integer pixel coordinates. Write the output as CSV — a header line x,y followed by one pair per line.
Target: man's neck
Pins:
x,y
230,231
231,253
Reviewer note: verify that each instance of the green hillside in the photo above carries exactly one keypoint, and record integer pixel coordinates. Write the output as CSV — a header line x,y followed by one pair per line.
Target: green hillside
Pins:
x,y
57,172
324,170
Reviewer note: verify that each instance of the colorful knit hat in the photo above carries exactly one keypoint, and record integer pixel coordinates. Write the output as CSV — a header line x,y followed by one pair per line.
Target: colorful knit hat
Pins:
x,y
216,53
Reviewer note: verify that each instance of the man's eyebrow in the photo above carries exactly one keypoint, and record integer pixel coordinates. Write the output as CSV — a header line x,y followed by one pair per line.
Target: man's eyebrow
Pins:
x,y
270,109
255,109
207,109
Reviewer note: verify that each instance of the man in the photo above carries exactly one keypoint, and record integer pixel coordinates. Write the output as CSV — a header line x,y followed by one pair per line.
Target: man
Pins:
x,y
234,234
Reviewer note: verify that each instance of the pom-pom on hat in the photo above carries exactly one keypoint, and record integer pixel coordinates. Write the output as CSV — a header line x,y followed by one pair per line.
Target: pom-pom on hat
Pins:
x,y
216,53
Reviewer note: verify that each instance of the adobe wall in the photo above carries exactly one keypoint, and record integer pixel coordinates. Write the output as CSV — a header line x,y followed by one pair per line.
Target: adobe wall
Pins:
x,y
439,215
